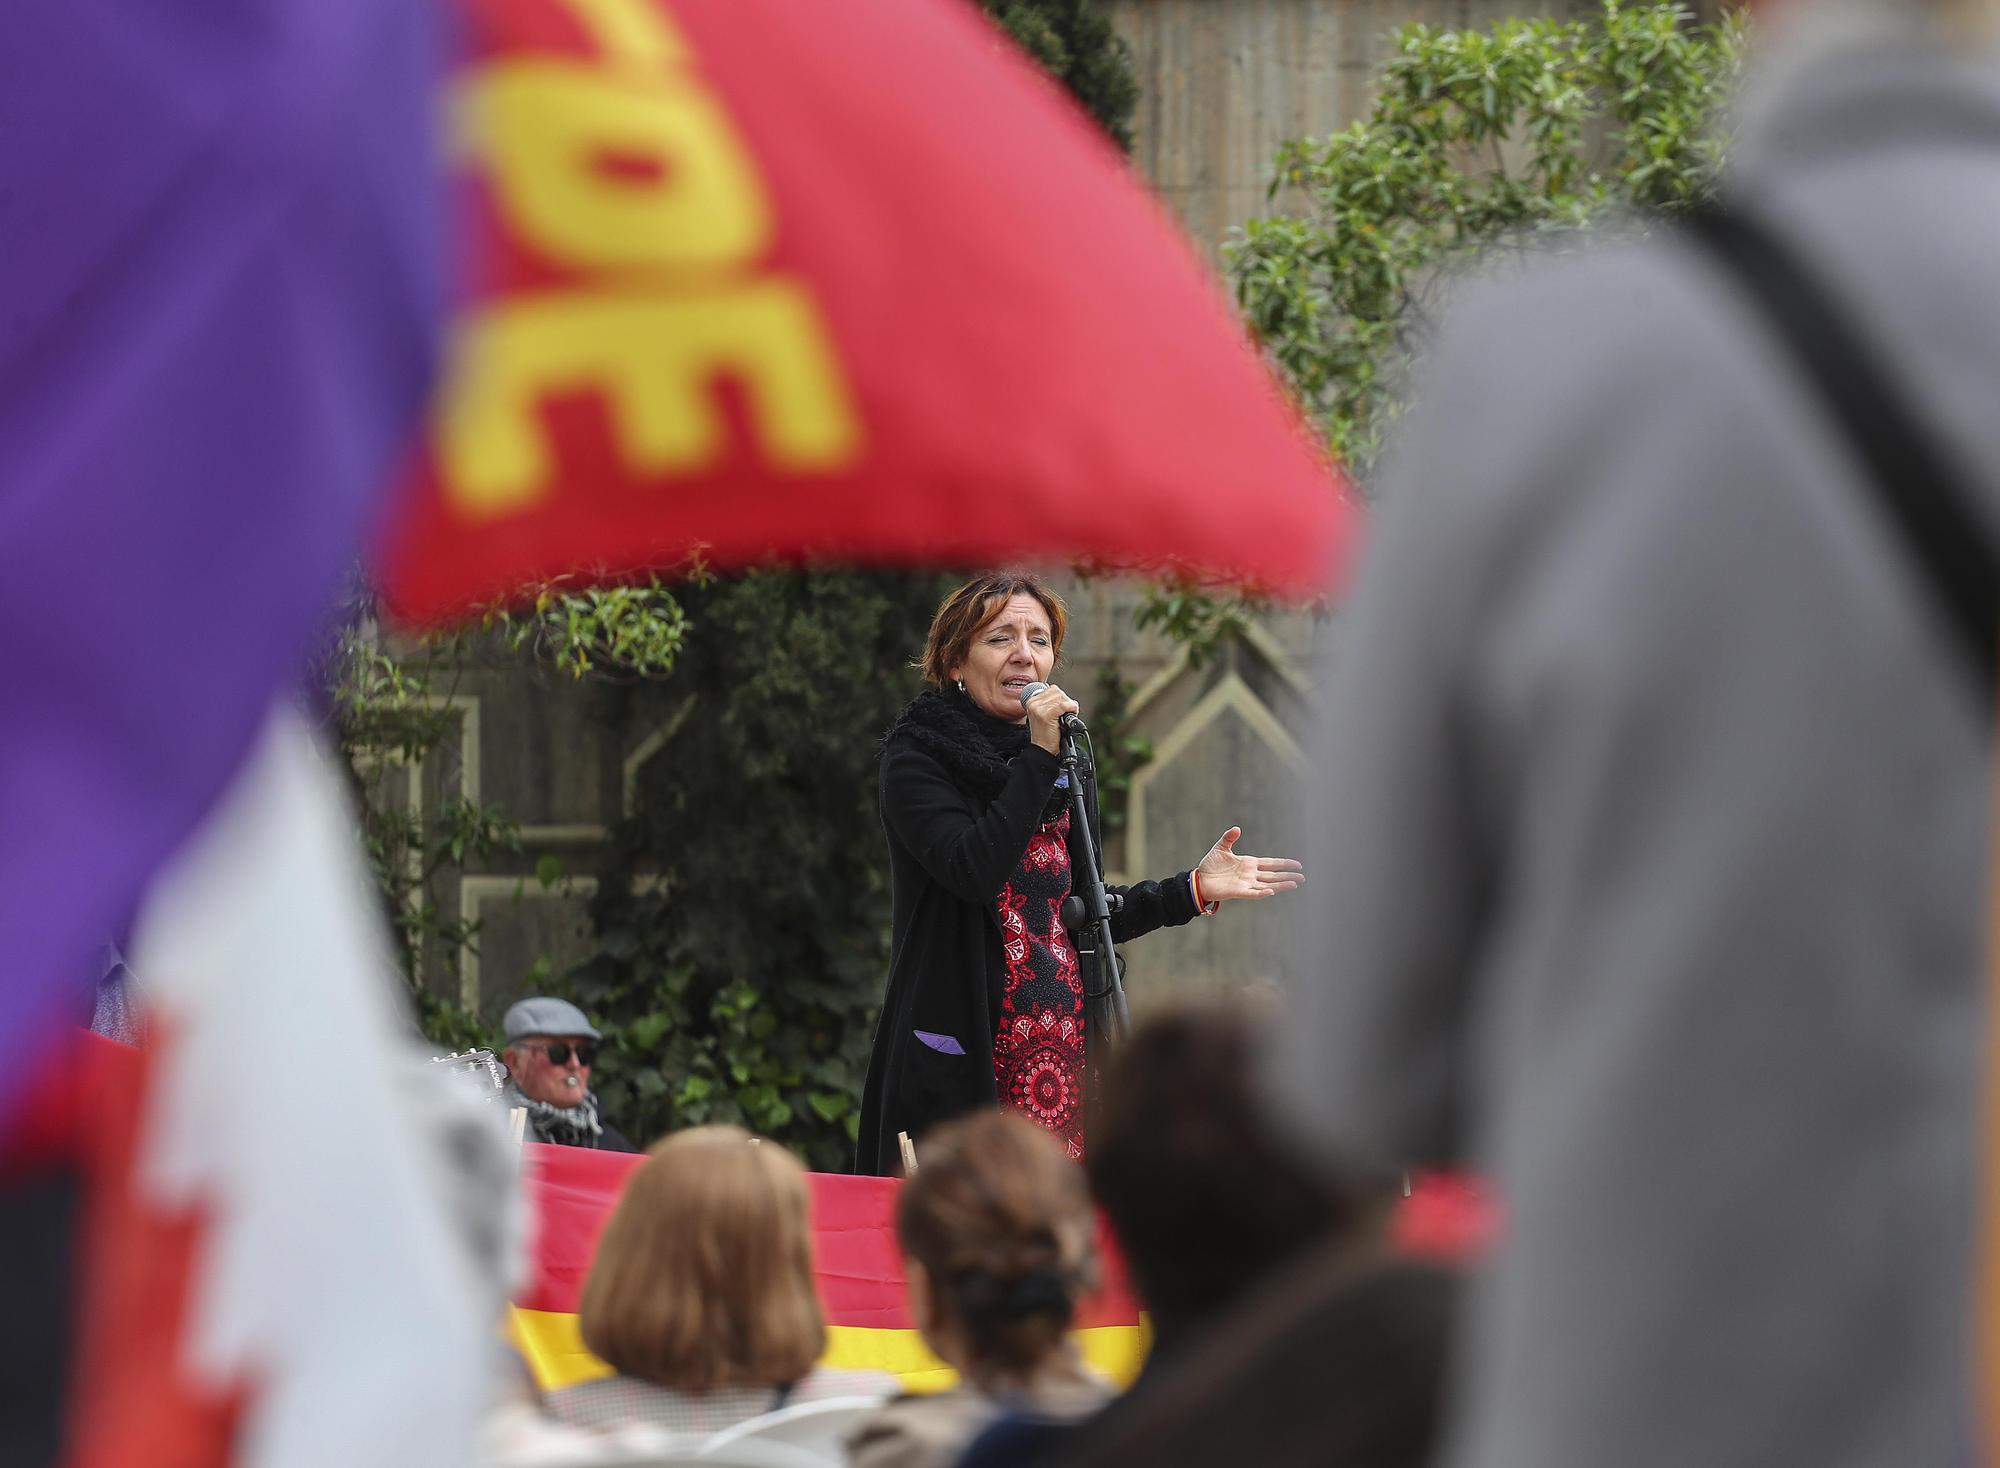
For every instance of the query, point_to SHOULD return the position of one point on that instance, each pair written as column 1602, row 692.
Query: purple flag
column 220, row 283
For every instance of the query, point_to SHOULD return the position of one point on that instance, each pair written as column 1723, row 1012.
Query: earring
column 961, row 685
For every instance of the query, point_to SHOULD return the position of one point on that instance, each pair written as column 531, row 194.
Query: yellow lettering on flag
column 655, row 358
column 626, row 170
column 552, row 134
column 634, row 33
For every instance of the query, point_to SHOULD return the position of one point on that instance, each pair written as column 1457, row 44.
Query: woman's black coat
column 950, row 853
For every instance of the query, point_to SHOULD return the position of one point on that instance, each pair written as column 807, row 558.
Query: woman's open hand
column 1225, row 876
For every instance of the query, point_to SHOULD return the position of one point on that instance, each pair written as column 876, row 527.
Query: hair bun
column 1044, row 1291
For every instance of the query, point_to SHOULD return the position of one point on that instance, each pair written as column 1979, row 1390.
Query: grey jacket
column 1655, row 823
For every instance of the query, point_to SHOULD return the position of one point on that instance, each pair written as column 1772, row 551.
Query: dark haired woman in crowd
column 985, row 996
column 997, row 1235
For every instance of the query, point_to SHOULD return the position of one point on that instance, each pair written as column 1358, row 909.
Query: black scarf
column 567, row 1126
column 976, row 749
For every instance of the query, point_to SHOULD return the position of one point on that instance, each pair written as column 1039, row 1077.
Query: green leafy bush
column 1478, row 140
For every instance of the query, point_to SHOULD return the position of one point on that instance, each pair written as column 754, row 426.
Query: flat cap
column 547, row 1017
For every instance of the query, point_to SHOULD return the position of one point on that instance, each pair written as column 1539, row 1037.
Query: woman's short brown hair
column 703, row 1277
column 1001, row 1222
column 961, row 615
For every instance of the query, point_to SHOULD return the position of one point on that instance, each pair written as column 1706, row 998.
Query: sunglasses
column 558, row 1052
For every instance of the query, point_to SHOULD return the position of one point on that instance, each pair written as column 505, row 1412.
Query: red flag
column 845, row 282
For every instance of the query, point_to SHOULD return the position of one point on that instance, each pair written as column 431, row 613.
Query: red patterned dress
column 1038, row 1059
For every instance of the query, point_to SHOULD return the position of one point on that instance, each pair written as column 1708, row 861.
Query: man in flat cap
column 550, row 1046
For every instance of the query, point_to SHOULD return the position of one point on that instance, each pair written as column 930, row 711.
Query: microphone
column 1071, row 723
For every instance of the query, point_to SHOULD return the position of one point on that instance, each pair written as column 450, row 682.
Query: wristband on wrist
column 1202, row 909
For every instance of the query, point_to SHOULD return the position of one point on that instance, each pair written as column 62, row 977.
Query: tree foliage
column 1507, row 138
column 1074, row 42
column 744, row 933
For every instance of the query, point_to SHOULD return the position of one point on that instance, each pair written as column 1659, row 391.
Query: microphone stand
column 1103, row 992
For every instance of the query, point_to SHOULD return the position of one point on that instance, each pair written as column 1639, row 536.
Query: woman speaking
column 985, row 996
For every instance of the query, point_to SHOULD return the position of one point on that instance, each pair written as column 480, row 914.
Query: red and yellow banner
column 859, row 1269
column 859, row 1272
column 849, row 282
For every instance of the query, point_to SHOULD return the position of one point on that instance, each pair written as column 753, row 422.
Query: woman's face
column 1014, row 648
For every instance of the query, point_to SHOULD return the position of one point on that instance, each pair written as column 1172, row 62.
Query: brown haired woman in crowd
column 997, row 1235
column 701, row 1293
column 985, row 996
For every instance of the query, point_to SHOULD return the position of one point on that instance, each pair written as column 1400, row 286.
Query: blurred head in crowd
column 996, row 1227
column 1206, row 1197
column 550, row 1047
column 703, row 1276
column 1337, row 1361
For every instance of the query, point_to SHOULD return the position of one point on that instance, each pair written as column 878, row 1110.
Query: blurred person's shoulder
column 1582, row 331
column 1591, row 371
